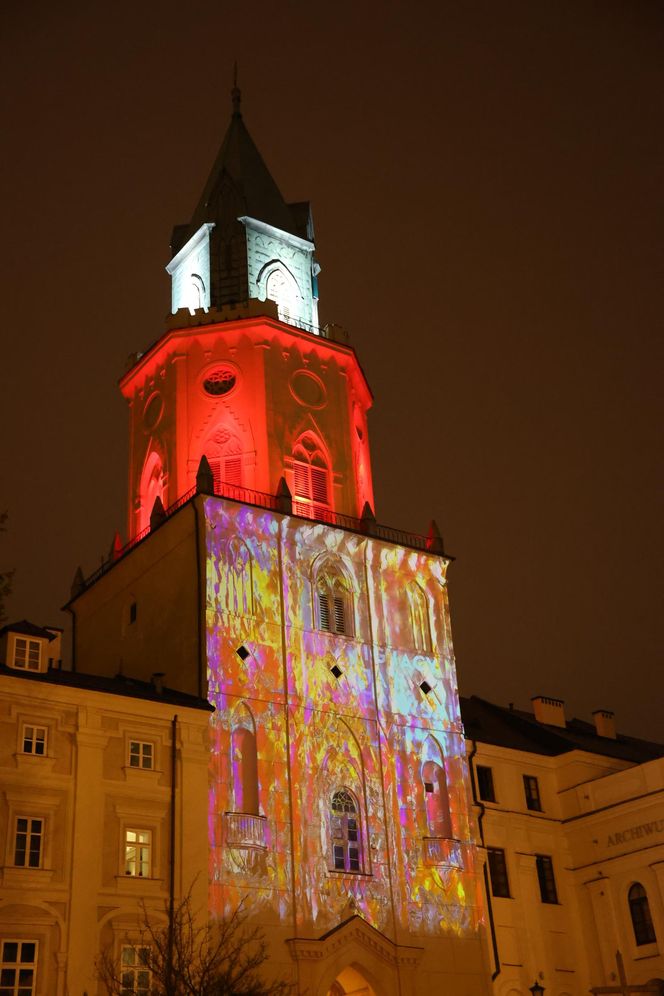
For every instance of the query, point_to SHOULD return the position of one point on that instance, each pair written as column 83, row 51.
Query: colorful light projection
column 306, row 713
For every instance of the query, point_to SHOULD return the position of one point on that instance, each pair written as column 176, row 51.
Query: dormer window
column 27, row 654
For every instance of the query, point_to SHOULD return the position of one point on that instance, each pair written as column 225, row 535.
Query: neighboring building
column 572, row 817
column 85, row 811
column 339, row 782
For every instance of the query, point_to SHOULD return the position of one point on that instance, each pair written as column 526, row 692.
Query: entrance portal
column 351, row 982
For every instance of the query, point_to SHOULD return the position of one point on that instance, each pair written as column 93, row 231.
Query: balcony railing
column 443, row 851
column 245, row 830
column 274, row 503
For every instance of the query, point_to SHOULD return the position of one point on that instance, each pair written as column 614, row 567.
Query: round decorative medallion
column 219, row 381
column 153, row 411
column 308, row 389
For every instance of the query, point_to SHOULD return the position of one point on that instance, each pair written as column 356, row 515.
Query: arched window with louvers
column 333, row 597
column 312, row 491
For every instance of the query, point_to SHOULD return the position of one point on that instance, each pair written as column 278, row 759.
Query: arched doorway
column 351, row 982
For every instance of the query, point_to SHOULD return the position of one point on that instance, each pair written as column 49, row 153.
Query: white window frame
column 19, row 965
column 129, row 970
column 134, row 862
column 30, row 832
column 34, row 739
column 28, row 646
column 141, row 755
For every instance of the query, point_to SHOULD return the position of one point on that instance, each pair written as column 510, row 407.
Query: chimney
column 549, row 711
column 605, row 723
column 158, row 682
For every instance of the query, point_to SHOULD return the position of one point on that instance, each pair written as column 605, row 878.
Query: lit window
column 531, row 788
column 34, row 740
column 28, row 842
column 138, row 848
column 27, row 654
column 485, row 784
column 639, row 909
column 333, row 603
column 311, row 479
column 141, row 754
column 18, row 969
column 498, row 871
column 136, row 977
column 345, row 832
column 546, row 878
column 418, row 606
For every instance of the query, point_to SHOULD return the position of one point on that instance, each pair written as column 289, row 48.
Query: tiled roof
column 519, row 730
column 26, row 628
column 118, row 685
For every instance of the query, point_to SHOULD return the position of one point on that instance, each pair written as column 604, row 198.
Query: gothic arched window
column 282, row 288
column 418, row 610
column 151, row 488
column 437, row 801
column 311, row 479
column 244, row 759
column 334, row 600
column 345, row 826
column 639, row 909
column 223, row 450
column 239, row 578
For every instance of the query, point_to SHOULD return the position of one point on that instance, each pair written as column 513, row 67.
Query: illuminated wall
column 281, row 267
column 374, row 712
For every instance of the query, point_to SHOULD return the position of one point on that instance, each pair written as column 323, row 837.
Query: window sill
column 646, row 951
column 139, row 883
column 26, row 878
column 349, row 874
column 34, row 762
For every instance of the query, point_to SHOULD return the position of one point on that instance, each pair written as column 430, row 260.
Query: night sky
column 487, row 188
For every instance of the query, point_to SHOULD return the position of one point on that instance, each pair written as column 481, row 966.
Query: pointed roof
column 240, row 173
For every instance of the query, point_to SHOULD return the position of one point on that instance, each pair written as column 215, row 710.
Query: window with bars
column 531, row 789
column 18, row 968
column 28, row 842
column 34, row 740
column 546, row 878
column 345, row 824
column 27, row 654
column 334, row 604
column 485, row 784
column 639, row 910
column 498, row 872
column 135, row 977
column 138, row 853
column 141, row 754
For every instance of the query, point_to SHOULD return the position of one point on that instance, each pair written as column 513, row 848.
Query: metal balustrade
column 245, row 830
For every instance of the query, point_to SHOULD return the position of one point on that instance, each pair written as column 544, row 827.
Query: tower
column 256, row 574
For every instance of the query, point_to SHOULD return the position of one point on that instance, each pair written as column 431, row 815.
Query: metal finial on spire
column 236, row 94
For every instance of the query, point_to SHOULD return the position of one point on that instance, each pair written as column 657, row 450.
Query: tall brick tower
column 256, row 574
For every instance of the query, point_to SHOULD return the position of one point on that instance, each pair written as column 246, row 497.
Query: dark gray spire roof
column 240, row 184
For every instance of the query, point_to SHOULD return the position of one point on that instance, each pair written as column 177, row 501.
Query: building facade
column 86, row 811
column 257, row 576
column 572, row 818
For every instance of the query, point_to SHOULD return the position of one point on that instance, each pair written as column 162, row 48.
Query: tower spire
column 236, row 94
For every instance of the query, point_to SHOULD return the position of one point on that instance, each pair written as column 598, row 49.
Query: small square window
column 242, row 652
column 531, row 788
column 428, row 787
column 425, row 686
column 34, row 740
column 27, row 654
column 485, row 784
column 336, row 671
column 141, row 754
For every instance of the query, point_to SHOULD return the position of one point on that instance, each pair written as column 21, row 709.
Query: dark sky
column 487, row 185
